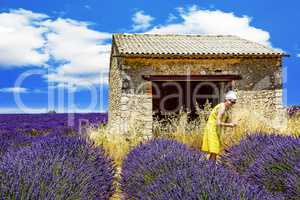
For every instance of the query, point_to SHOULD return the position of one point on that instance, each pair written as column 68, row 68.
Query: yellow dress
column 212, row 133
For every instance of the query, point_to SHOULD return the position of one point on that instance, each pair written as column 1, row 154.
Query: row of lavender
column 18, row 129
column 58, row 167
column 260, row 167
column 43, row 157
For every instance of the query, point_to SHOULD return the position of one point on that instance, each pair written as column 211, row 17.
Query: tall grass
column 249, row 119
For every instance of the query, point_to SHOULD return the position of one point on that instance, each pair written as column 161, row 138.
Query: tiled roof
column 189, row 45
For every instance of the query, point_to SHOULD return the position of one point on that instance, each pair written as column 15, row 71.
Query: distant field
column 49, row 123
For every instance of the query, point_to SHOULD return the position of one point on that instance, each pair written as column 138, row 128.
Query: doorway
column 171, row 97
column 174, row 93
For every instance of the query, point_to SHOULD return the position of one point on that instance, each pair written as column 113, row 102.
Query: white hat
column 231, row 95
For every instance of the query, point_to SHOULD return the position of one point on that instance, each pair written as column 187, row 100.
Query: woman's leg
column 213, row 156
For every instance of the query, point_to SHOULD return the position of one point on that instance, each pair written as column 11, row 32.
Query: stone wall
column 257, row 74
column 136, row 114
column 269, row 100
column 258, row 98
column 115, row 93
column 261, row 81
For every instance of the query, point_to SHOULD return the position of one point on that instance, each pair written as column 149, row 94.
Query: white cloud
column 199, row 21
column 298, row 55
column 141, row 21
column 21, row 90
column 14, row 110
column 80, row 53
column 71, row 80
column 14, row 90
column 22, row 39
column 84, row 52
column 38, row 91
column 87, row 6
column 171, row 17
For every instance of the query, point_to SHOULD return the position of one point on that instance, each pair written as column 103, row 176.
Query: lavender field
column 48, row 156
column 49, row 123
column 18, row 129
column 43, row 156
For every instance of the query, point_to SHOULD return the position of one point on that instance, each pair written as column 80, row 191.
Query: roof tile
column 189, row 45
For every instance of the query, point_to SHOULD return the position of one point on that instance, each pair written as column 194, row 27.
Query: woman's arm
column 219, row 117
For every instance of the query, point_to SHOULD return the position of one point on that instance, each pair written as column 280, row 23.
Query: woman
column 218, row 119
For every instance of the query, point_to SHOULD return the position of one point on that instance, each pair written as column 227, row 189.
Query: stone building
column 153, row 75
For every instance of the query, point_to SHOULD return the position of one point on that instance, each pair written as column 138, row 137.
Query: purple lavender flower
column 43, row 124
column 292, row 183
column 293, row 110
column 274, row 170
column 204, row 181
column 148, row 161
column 242, row 155
column 17, row 130
column 12, row 140
column 57, row 168
column 165, row 169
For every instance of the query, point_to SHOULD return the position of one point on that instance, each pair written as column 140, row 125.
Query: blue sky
column 55, row 54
